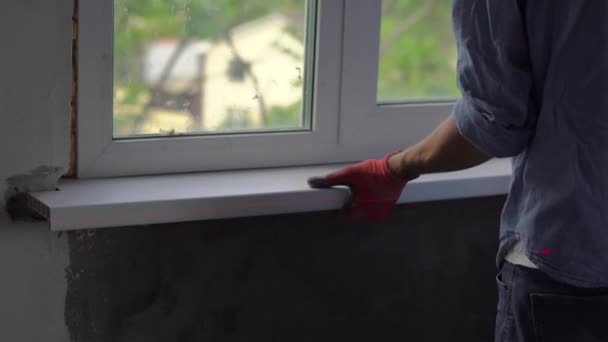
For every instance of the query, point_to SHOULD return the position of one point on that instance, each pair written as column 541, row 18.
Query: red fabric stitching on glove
column 375, row 189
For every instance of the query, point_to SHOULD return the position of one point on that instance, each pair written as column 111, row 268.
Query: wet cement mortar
column 425, row 275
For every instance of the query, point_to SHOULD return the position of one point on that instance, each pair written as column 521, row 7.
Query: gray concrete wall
column 427, row 274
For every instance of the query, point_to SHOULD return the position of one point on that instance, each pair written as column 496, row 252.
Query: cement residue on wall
column 43, row 178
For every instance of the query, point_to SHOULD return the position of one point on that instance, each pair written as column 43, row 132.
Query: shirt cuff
column 483, row 131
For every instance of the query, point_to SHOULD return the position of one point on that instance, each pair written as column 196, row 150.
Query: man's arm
column 496, row 113
column 495, row 117
column 444, row 150
column 376, row 184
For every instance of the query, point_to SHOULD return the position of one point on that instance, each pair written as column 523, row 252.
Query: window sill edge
column 146, row 200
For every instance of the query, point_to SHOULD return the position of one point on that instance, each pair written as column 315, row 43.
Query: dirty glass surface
column 211, row 66
column 417, row 52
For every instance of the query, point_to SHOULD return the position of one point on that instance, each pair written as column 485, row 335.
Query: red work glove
column 375, row 189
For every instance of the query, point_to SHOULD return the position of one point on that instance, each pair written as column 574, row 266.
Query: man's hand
column 375, row 189
column 377, row 184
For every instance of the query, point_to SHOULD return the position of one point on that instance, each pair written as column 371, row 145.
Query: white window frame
column 394, row 123
column 348, row 124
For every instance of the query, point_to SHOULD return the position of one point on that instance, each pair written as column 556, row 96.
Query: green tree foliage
column 417, row 54
column 137, row 22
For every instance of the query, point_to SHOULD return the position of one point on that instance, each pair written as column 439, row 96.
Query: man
column 534, row 80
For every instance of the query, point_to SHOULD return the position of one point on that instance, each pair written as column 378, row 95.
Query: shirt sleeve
column 495, row 113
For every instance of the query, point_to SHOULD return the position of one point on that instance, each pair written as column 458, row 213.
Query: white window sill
column 113, row 202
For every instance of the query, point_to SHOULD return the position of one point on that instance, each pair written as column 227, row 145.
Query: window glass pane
column 211, row 66
column 417, row 51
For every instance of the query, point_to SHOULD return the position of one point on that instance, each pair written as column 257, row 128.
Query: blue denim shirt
column 534, row 78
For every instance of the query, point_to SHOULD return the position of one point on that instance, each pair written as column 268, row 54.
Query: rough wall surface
column 427, row 275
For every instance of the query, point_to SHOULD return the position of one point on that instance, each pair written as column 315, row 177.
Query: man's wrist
column 404, row 165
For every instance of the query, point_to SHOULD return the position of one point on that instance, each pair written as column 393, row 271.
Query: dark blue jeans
column 535, row 308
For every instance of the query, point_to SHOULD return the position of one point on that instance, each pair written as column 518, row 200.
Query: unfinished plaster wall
column 426, row 275
column 34, row 122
